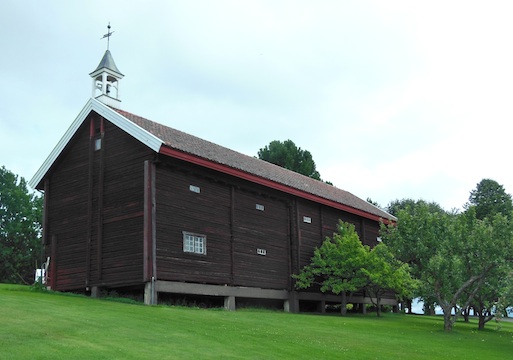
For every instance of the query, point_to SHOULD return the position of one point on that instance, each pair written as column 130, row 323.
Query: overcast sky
column 394, row 99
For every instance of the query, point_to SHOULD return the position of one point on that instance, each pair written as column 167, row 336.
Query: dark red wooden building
column 130, row 203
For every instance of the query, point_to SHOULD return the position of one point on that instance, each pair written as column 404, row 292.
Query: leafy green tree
column 337, row 265
column 20, row 229
column 490, row 198
column 343, row 265
column 287, row 155
column 395, row 206
column 453, row 254
column 486, row 300
column 385, row 273
column 504, row 305
column 497, row 230
column 415, row 247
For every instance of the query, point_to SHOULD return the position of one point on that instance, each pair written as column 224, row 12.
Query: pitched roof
column 172, row 142
column 188, row 144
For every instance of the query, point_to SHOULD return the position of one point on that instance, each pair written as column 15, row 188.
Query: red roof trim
column 265, row 182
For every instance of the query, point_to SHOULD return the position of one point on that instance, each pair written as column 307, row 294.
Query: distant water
column 417, row 307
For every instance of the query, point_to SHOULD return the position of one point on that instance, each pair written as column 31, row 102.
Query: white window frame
column 97, row 144
column 194, row 243
column 262, row 252
column 195, row 189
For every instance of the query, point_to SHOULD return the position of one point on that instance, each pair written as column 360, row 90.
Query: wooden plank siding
column 95, row 209
column 67, row 215
column 226, row 211
column 266, row 229
column 123, row 209
column 323, row 223
column 311, row 234
column 179, row 209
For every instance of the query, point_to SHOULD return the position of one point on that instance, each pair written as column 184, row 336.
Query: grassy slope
column 53, row 326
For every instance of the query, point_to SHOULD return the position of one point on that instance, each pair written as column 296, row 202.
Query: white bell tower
column 106, row 78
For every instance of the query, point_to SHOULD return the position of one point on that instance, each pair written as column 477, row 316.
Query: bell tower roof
column 107, row 63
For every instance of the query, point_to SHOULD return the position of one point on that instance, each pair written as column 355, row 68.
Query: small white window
column 260, row 207
column 262, row 252
column 195, row 189
column 194, row 243
column 97, row 144
column 378, row 239
column 307, row 219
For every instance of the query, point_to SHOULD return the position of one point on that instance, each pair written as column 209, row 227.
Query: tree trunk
column 343, row 304
column 466, row 313
column 484, row 317
column 448, row 321
column 378, row 306
column 429, row 308
column 481, row 323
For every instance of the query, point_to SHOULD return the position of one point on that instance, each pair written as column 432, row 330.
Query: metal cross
column 108, row 35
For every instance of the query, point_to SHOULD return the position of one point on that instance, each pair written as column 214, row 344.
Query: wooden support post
column 292, row 303
column 322, row 306
column 229, row 303
column 150, row 293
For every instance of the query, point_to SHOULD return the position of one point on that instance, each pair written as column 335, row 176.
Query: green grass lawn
column 37, row 325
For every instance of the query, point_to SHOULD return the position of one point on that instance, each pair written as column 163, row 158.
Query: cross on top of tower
column 108, row 35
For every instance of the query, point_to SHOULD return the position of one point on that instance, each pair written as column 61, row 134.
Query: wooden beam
column 53, row 263
column 149, row 233
column 46, row 200
column 232, row 232
column 90, row 183
column 298, row 232
column 99, row 248
column 219, row 290
column 362, row 231
column 310, row 296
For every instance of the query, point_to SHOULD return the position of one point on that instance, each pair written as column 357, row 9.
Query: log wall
column 256, row 237
column 95, row 209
